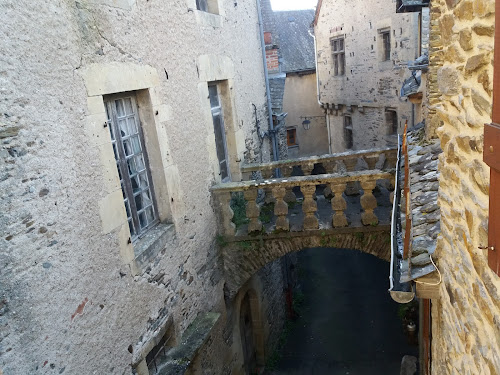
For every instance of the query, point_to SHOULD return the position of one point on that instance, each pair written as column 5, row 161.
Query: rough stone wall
column 300, row 102
column 68, row 300
column 269, row 315
column 368, row 81
column 370, row 129
column 466, row 318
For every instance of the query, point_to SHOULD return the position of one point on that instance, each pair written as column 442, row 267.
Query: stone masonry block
column 112, row 211
column 448, row 80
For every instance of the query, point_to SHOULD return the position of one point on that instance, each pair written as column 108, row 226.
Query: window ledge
column 148, row 247
column 181, row 356
column 208, row 19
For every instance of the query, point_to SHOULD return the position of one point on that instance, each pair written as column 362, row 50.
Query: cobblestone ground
column 348, row 323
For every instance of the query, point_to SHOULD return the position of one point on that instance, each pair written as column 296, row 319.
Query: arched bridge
column 340, row 200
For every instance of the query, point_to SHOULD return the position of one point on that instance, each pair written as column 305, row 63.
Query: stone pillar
column 228, row 227
column 252, row 211
column 309, row 207
column 281, row 209
column 338, row 205
column 368, row 203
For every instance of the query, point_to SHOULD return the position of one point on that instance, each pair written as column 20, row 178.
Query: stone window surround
column 112, row 78
column 381, row 48
column 166, row 327
column 220, row 69
column 213, row 18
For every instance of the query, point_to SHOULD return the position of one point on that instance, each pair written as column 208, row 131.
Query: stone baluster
column 281, row 209
column 252, row 211
column 307, row 169
column 228, row 227
column 309, row 207
column 339, row 205
column 350, row 163
column 372, row 161
column 287, row 171
column 330, row 166
column 246, row 176
column 290, row 195
column 368, row 203
column 267, row 173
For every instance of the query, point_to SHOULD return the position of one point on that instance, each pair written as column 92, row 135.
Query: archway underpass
column 346, row 321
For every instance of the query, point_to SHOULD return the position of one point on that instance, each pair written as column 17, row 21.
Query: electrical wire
column 439, row 273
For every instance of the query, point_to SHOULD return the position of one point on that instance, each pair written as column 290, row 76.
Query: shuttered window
column 492, row 158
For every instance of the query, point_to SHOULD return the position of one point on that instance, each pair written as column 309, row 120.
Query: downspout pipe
column 318, row 93
column 272, row 132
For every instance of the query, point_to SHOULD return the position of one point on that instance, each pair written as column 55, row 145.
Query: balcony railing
column 351, row 161
column 304, row 203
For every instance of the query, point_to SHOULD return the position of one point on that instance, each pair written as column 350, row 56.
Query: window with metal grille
column 291, row 137
column 132, row 163
column 386, row 45
column 348, row 140
column 220, row 131
column 338, row 54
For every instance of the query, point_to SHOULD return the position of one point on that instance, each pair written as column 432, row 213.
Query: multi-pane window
column 386, row 45
column 338, row 54
column 348, row 141
column 291, row 137
column 132, row 163
column 220, row 132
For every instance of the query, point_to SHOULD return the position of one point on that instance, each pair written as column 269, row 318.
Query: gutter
column 400, row 292
column 272, row 131
column 318, row 94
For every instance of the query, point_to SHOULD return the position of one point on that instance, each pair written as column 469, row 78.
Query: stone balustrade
column 304, row 203
column 377, row 159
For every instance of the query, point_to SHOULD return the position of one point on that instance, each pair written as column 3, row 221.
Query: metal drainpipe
column 274, row 142
column 322, row 105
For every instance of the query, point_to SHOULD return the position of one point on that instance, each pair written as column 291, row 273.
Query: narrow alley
column 348, row 323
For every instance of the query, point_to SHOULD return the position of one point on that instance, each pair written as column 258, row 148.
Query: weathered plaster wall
column 466, row 318
column 300, row 101
column 369, row 81
column 68, row 299
column 266, row 289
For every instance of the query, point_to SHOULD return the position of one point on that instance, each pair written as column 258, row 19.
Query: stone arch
column 242, row 259
column 248, row 294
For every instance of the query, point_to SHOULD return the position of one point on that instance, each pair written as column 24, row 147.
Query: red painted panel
column 494, row 222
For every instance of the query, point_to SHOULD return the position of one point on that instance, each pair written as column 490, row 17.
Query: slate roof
column 296, row 46
column 277, row 88
column 424, row 174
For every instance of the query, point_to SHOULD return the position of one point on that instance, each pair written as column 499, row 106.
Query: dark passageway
column 348, row 323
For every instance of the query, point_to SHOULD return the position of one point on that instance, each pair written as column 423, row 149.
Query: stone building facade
column 362, row 49
column 465, row 318
column 109, row 145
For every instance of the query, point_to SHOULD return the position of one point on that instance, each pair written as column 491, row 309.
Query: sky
column 293, row 4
